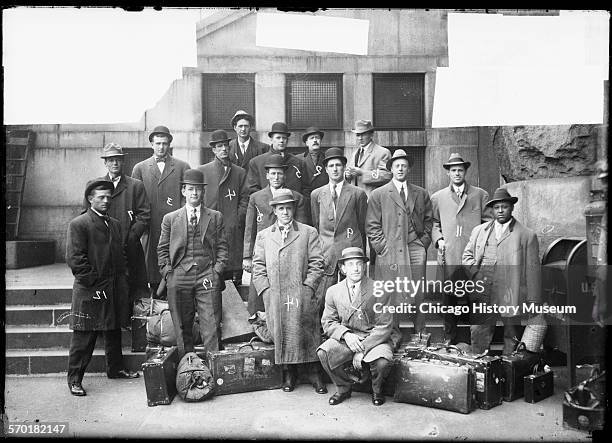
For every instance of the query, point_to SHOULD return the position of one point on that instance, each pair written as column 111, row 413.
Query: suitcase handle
column 250, row 343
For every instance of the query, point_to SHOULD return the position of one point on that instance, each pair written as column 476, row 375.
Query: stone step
column 44, row 337
column 38, row 296
column 54, row 360
column 41, row 315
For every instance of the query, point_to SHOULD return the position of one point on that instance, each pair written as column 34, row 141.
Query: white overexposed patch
column 312, row 33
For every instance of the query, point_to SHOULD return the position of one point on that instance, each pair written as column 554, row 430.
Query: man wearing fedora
column 226, row 192
column 457, row 209
column 287, row 267
column 294, row 175
column 398, row 224
column 260, row 215
column 131, row 207
column 244, row 148
column 338, row 213
column 503, row 255
column 315, row 174
column 192, row 254
column 100, row 302
column 367, row 169
column 358, row 330
column 161, row 175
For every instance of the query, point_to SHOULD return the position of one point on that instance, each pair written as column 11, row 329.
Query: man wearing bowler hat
column 294, row 175
column 226, row 192
column 358, row 330
column 161, row 175
column 503, row 255
column 260, row 215
column 398, row 224
column 367, row 169
column 244, row 148
column 192, row 254
column 100, row 302
column 457, row 209
column 131, row 207
column 338, row 213
column 314, row 160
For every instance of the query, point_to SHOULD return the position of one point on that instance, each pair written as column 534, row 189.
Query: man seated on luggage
column 192, row 253
column 359, row 329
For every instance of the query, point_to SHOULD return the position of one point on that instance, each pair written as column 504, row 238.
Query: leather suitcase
column 244, row 367
column 416, row 343
column 515, row 367
column 436, row 384
column 139, row 333
column 584, row 405
column 159, row 373
column 538, row 386
column 488, row 372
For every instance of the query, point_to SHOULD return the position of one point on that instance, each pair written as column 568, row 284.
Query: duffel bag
column 147, row 306
column 194, row 381
column 160, row 329
column 533, row 335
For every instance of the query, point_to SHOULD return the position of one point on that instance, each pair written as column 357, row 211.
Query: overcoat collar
column 98, row 222
column 397, row 199
column 221, row 171
column 292, row 236
column 121, row 186
column 364, row 297
column 464, row 197
column 168, row 168
column 505, row 234
column 367, row 151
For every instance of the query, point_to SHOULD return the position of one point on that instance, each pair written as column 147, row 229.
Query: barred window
column 314, row 100
column 399, row 101
column 223, row 95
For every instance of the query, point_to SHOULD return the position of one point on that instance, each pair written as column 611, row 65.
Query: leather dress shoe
column 318, row 384
column 289, row 381
column 124, row 373
column 338, row 398
column 77, row 389
column 378, row 399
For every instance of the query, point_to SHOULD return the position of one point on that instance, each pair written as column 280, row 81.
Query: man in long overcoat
column 398, row 224
column 457, row 209
column 294, row 175
column 287, row 267
column 359, row 329
column 131, row 207
column 503, row 255
column 260, row 215
column 315, row 175
column 244, row 148
column 226, row 192
column 338, row 213
column 100, row 302
column 161, row 174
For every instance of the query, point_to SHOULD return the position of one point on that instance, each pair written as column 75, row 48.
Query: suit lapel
column 395, row 196
column 121, row 186
column 366, row 153
column 168, row 169
column 292, row 236
column 276, row 235
column 99, row 223
column 507, row 232
column 343, row 200
column 328, row 203
column 204, row 221
column 154, row 169
column 222, row 172
column 363, row 297
column 410, row 198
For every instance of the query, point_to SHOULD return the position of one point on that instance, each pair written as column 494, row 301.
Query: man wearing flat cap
column 358, row 330
column 457, row 209
column 100, row 301
column 287, row 267
column 398, row 224
column 192, row 254
column 504, row 256
column 226, row 192
column 294, row 175
column 131, row 207
column 161, row 174
column 244, row 148
column 338, row 213
column 260, row 215
column 367, row 169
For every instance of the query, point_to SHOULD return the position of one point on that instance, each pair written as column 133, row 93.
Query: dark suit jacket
column 95, row 254
column 294, row 174
column 254, row 149
column 316, row 175
column 164, row 193
column 226, row 192
column 260, row 215
column 173, row 240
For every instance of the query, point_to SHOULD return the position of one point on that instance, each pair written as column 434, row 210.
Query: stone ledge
column 29, row 253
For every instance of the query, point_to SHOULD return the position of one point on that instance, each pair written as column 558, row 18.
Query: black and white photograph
column 269, row 223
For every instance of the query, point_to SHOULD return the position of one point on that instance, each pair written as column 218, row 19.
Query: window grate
column 399, row 101
column 314, row 100
column 223, row 95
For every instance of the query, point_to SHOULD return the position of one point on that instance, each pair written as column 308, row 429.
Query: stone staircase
column 38, row 338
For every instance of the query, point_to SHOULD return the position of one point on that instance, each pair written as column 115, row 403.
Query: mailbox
column 565, row 282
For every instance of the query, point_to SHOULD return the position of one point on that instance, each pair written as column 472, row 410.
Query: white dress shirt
column 501, row 228
column 190, row 210
column 399, row 185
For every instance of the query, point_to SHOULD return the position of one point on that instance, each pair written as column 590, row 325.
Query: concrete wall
column 181, row 106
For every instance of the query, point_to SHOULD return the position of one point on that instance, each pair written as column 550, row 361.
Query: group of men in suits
column 199, row 227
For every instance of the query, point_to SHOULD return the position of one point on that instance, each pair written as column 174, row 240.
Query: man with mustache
column 315, row 175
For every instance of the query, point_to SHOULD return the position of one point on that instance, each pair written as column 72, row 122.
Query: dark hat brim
column 308, row 134
column 448, row 165
column 153, row 134
column 359, row 256
column 512, row 200
column 270, row 166
column 278, row 132
column 407, row 157
column 354, row 131
column 280, row 202
column 214, row 142
column 106, row 184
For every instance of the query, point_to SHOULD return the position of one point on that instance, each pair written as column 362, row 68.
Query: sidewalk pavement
column 118, row 408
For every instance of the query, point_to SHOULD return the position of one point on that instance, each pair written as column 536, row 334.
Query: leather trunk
column 538, row 386
column 488, row 372
column 515, row 367
column 159, row 373
column 244, row 367
column 436, row 384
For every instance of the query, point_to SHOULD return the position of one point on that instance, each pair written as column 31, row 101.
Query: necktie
column 458, row 192
column 106, row 220
column 242, row 148
column 284, row 230
column 358, row 156
column 352, row 293
column 334, row 196
column 403, row 194
column 194, row 218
